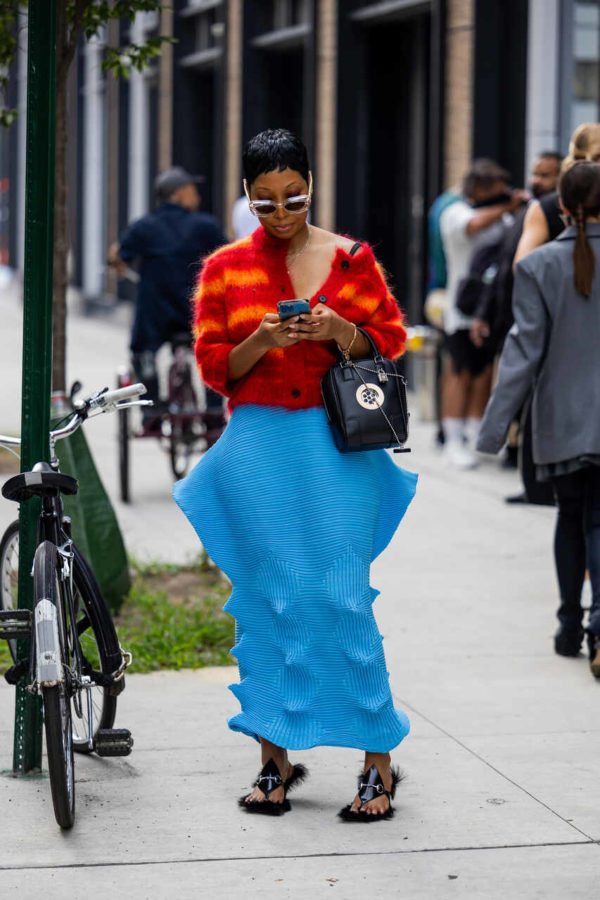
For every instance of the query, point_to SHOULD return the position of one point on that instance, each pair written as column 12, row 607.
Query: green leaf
column 84, row 18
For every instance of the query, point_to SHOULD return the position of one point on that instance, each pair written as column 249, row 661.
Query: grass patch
column 5, row 657
column 172, row 618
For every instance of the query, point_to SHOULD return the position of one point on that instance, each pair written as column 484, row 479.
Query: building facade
column 392, row 97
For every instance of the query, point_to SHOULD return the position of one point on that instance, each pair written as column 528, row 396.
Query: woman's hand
column 323, row 325
column 273, row 333
column 480, row 331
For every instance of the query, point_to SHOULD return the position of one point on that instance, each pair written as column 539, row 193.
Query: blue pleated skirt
column 296, row 525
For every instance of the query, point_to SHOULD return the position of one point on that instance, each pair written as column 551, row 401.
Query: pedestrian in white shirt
column 243, row 222
column 477, row 220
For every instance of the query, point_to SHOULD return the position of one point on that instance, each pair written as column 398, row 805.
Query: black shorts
column 465, row 355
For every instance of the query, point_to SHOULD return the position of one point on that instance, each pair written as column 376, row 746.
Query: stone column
column 458, row 139
column 21, row 129
column 138, row 200
column 326, row 113
column 112, row 159
column 93, row 250
column 232, row 143
column 165, row 92
column 543, row 71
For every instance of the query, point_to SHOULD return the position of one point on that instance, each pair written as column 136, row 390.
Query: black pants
column 536, row 491
column 577, row 544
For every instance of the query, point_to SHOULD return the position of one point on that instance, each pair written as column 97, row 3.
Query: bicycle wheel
column 56, row 700
column 101, row 650
column 123, row 437
column 9, row 575
column 97, row 635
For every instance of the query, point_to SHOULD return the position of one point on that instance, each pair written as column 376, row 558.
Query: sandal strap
column 269, row 778
column 370, row 786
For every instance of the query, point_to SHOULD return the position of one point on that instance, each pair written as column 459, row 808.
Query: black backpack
column 482, row 273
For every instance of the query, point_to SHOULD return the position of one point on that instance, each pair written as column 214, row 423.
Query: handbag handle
column 377, row 357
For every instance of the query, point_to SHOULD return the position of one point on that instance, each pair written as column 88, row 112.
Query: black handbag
column 365, row 402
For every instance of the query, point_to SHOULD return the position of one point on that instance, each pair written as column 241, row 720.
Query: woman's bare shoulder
column 334, row 240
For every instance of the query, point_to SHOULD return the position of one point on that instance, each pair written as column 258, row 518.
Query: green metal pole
column 37, row 330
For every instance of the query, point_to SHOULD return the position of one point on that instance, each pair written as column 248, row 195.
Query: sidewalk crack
column 407, row 705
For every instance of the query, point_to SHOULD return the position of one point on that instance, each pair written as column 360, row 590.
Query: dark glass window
column 287, row 13
column 585, row 86
column 205, row 35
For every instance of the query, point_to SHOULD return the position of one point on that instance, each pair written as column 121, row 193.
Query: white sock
column 454, row 430
column 472, row 427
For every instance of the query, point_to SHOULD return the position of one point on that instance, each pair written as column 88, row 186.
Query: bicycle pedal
column 113, row 742
column 15, row 623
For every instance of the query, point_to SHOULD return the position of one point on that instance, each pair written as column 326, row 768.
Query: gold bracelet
column 346, row 351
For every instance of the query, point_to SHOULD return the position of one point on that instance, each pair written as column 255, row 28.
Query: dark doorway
column 279, row 68
column 384, row 146
column 283, row 77
column 395, row 188
column 499, row 112
column 203, row 87
column 196, row 131
column 275, row 90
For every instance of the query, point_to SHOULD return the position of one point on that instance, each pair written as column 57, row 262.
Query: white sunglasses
column 298, row 204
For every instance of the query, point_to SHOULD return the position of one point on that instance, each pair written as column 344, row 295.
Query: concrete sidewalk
column 500, row 798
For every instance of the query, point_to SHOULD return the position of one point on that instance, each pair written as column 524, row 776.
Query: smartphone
column 287, row 309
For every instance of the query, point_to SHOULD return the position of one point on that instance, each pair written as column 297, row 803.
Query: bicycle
column 179, row 424
column 76, row 663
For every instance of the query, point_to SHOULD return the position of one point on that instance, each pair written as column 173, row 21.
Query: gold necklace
column 299, row 252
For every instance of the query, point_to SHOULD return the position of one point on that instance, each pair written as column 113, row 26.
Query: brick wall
column 460, row 29
column 233, row 111
column 326, row 112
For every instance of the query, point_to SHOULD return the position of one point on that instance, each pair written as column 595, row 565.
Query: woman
column 553, row 348
column 543, row 220
column 294, row 523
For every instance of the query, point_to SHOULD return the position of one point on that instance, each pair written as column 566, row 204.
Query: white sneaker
column 459, row 455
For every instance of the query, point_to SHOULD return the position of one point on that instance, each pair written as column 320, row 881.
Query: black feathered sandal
column 269, row 780
column 370, row 786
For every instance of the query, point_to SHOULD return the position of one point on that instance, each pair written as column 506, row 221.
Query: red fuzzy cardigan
column 243, row 281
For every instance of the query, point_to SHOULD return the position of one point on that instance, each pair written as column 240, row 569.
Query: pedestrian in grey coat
column 554, row 349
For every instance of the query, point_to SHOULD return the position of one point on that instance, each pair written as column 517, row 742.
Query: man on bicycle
column 169, row 244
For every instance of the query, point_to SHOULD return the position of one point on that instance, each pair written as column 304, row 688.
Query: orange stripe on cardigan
column 207, row 326
column 245, row 277
column 210, row 286
column 367, row 302
column 253, row 312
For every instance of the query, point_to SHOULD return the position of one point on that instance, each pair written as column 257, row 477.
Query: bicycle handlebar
column 105, row 401
column 110, row 398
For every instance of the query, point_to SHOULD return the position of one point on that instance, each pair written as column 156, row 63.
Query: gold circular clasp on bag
column 370, row 396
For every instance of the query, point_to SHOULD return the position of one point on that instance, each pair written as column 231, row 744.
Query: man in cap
column 169, row 244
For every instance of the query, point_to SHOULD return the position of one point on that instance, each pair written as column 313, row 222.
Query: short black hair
column 275, row 148
column 551, row 154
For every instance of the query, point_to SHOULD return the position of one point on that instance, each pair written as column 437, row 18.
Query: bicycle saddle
column 37, row 484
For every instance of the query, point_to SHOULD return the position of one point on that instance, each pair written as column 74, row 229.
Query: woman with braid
column 553, row 349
